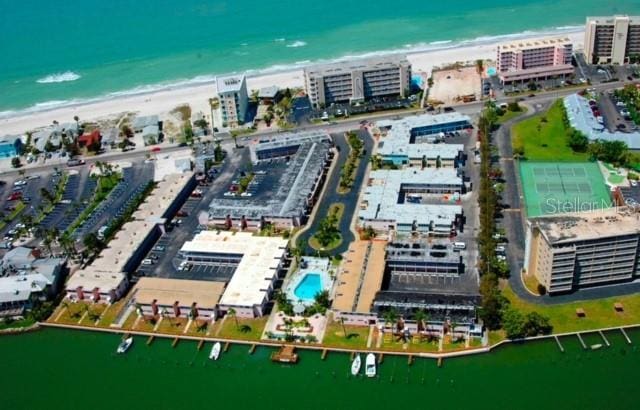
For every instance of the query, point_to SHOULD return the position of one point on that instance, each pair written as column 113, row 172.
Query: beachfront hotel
column 257, row 262
column 402, row 202
column 533, row 59
column 612, row 39
column 410, row 140
column 570, row 251
column 358, row 80
column 234, row 99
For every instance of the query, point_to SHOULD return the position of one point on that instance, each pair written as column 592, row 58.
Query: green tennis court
column 559, row 187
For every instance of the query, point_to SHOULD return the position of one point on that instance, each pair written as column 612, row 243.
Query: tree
column 479, row 66
column 15, row 162
column 127, row 132
column 201, row 123
column 322, row 299
column 390, row 317
column 514, row 106
column 578, row 141
column 218, row 154
column 536, row 324
column 47, row 195
column 77, row 120
column 92, row 243
column 421, row 318
column 513, row 323
column 232, row 312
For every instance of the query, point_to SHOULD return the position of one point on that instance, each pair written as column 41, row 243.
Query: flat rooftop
column 360, row 277
column 528, row 44
column 261, row 257
column 576, row 226
column 168, row 291
column 231, row 83
column 363, row 64
column 288, row 140
column 283, row 189
column 381, row 197
column 560, row 187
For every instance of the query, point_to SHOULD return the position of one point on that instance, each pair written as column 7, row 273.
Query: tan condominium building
column 612, row 39
column 531, row 59
column 569, row 251
column 358, row 80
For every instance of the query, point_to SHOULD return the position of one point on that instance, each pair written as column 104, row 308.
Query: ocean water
column 54, row 53
column 68, row 369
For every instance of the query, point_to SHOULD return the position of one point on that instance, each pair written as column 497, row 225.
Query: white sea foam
column 59, row 77
column 280, row 40
column 296, row 44
column 278, row 68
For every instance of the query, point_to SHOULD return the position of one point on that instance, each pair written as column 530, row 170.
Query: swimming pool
column 491, row 71
column 308, row 287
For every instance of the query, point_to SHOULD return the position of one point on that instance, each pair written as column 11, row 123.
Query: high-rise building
column 569, row 251
column 530, row 59
column 357, row 80
column 612, row 40
column 234, row 100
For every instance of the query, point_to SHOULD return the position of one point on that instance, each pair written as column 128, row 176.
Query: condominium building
column 531, row 59
column 357, row 80
column 569, row 251
column 612, row 39
column 234, row 100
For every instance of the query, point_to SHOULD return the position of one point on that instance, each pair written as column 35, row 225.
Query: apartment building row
column 358, row 80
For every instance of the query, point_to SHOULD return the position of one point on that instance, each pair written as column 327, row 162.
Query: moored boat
column 370, row 365
column 596, row 346
column 125, row 345
column 355, row 365
column 215, row 351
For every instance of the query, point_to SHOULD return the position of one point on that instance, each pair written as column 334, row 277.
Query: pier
column 150, row 340
column 606, row 342
column 226, row 347
column 410, row 360
column 286, row 354
column 625, row 335
column 559, row 344
column 200, row 344
column 252, row 348
column 175, row 342
column 584, row 345
column 324, row 354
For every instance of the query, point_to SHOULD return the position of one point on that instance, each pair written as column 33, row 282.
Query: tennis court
column 552, row 188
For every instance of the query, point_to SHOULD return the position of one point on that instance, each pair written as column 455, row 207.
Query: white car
column 147, row 261
column 20, row 182
column 634, row 183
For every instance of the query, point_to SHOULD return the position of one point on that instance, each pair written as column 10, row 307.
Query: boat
column 125, row 345
column 370, row 365
column 215, row 351
column 596, row 346
column 355, row 365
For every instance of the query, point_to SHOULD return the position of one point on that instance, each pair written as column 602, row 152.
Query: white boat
column 355, row 365
column 596, row 346
column 215, row 351
column 370, row 365
column 125, row 345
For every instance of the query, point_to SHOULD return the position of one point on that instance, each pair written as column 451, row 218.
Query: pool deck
column 317, row 266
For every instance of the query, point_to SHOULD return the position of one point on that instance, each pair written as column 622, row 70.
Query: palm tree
column 421, row 317
column 68, row 244
column 232, row 312
column 214, row 103
column 77, row 120
column 390, row 317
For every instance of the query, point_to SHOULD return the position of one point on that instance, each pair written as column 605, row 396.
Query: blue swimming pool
column 308, row 287
column 491, row 71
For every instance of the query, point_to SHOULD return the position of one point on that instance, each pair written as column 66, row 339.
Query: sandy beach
column 198, row 96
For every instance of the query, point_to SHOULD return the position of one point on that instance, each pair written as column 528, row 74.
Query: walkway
column 331, row 196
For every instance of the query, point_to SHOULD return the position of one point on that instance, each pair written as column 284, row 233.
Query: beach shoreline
column 196, row 92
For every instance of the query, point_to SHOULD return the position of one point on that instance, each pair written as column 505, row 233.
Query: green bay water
column 55, row 53
column 68, row 369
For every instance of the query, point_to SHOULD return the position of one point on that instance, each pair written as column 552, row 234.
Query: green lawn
column 509, row 115
column 253, row 332
column 356, row 337
column 599, row 313
column 544, row 137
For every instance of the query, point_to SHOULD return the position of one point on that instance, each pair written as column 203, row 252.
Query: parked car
column 20, row 182
column 182, row 213
column 14, row 196
column 159, row 248
column 147, row 262
column 75, row 162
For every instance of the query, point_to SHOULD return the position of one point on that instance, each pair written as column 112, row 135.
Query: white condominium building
column 524, row 60
column 234, row 100
column 357, row 80
column 611, row 40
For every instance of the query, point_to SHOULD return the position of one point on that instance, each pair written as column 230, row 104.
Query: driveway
column 331, row 195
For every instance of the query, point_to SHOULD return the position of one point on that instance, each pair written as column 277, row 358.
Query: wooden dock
column 606, row 342
column 559, row 344
column 226, row 347
column 380, row 358
column 200, row 344
column 410, row 360
column 324, row 354
column 625, row 335
column 440, row 361
column 150, row 340
column 175, row 342
column 252, row 349
column 286, row 354
column 584, row 345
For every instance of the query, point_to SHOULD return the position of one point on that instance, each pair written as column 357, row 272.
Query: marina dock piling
column 559, row 344
column 606, row 342
column 410, row 360
column 584, row 345
column 252, row 348
column 625, row 335
column 324, row 354
column 150, row 340
column 226, row 347
column 380, row 358
column 175, row 342
column 200, row 344
column 440, row 361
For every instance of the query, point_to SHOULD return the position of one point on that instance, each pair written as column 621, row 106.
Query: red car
column 15, row 196
column 181, row 213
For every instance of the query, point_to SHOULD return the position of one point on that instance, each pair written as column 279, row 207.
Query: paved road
column 330, row 196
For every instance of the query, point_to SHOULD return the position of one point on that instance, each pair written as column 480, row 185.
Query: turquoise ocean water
column 55, row 53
